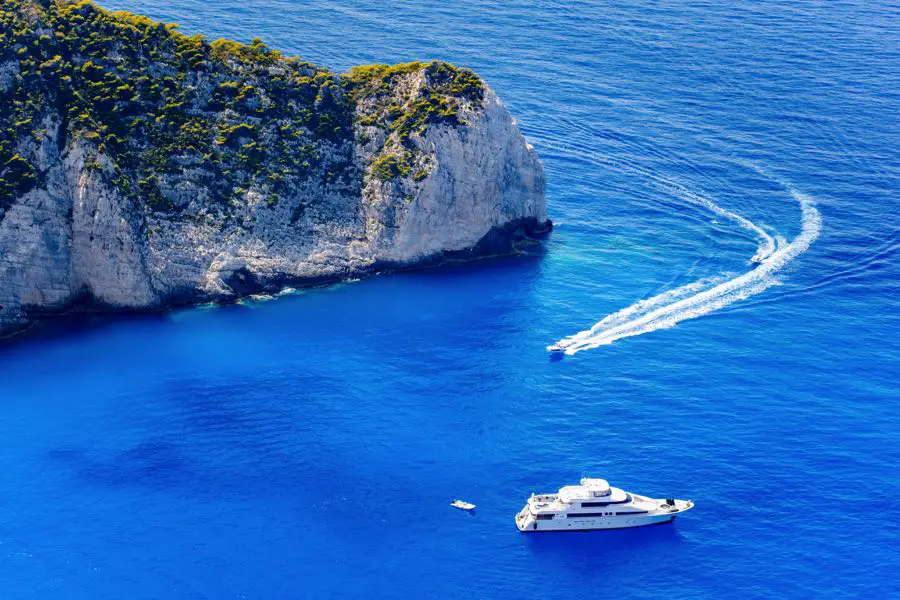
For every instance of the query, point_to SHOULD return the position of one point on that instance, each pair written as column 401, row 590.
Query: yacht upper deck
column 590, row 492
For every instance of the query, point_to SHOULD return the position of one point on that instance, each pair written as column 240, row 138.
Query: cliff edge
column 140, row 167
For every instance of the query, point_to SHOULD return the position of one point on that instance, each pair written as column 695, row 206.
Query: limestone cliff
column 140, row 167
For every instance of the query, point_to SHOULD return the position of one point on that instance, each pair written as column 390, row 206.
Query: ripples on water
column 309, row 445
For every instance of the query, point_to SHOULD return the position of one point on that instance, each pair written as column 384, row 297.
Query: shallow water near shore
column 310, row 445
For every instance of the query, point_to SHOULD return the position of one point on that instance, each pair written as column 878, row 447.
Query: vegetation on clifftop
column 160, row 104
column 436, row 95
column 442, row 88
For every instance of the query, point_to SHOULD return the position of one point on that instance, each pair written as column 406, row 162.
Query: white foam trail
column 642, row 307
column 698, row 299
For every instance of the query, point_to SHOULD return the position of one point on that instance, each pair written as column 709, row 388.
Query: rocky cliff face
column 140, row 167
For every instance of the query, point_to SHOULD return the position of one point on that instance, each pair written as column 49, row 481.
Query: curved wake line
column 704, row 296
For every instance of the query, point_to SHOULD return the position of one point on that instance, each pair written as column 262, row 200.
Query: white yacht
column 595, row 505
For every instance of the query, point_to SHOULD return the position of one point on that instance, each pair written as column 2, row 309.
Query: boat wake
column 707, row 295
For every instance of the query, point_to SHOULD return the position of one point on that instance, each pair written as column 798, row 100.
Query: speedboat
column 462, row 505
column 557, row 348
column 594, row 505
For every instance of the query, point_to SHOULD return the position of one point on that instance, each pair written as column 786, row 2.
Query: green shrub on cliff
column 389, row 166
column 17, row 175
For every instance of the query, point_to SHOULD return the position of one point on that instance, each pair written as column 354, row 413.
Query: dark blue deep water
column 309, row 446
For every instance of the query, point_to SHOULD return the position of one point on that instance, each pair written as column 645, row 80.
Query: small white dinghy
column 462, row 505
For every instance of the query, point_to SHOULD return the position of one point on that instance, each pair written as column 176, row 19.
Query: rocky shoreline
column 516, row 239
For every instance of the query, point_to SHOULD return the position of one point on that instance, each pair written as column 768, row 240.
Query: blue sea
column 309, row 446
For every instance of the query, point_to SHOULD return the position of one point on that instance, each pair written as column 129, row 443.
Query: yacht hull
column 593, row 524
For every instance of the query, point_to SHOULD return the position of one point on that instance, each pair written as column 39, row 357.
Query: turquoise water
column 309, row 446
